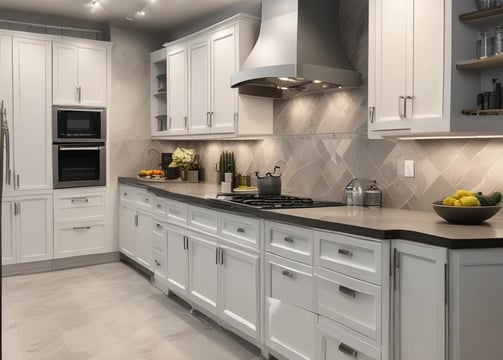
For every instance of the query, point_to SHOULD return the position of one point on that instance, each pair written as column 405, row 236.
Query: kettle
column 270, row 184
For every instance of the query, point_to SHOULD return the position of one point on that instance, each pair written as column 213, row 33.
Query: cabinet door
column 144, row 240
column 199, row 86
column 203, row 272
column 8, row 234
column 177, row 90
column 388, row 36
column 239, row 290
column 223, row 66
column 92, row 75
column 127, row 231
column 177, row 262
column 34, row 228
column 65, row 74
column 79, row 238
column 6, row 97
column 32, row 109
column 419, row 302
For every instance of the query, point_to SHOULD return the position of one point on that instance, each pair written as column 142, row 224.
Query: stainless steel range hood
column 298, row 50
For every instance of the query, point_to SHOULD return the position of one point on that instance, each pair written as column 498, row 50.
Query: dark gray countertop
column 420, row 226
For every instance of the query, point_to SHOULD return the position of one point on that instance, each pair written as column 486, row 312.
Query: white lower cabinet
column 177, row 267
column 419, row 301
column 27, row 229
column 73, row 239
column 159, row 249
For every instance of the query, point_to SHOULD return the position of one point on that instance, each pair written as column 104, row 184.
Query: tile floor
column 105, row 312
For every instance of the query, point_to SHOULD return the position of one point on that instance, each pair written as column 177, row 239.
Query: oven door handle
column 94, row 148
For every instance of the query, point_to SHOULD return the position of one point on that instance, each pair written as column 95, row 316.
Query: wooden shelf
column 485, row 63
column 481, row 15
column 477, row 112
column 160, row 93
column 158, row 116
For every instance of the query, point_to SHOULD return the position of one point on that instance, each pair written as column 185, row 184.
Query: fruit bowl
column 465, row 215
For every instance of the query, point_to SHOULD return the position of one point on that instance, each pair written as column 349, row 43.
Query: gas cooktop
column 275, row 201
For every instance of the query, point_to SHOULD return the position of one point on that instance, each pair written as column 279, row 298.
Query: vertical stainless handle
column 184, row 243
column 16, row 208
column 185, row 121
column 348, row 350
column 371, row 114
column 169, row 123
column 396, row 265
column 5, row 127
column 79, row 91
column 17, row 181
column 208, row 120
column 136, row 220
column 446, row 284
column 212, row 118
column 221, row 256
column 216, row 256
column 401, row 114
column 411, row 98
column 187, row 242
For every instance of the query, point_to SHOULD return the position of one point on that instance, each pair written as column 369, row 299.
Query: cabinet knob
column 288, row 239
column 287, row 273
column 240, row 230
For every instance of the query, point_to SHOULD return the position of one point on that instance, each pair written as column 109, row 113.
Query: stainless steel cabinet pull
column 79, row 90
column 170, row 121
column 395, row 265
column 401, row 114
column 184, row 248
column 411, row 98
column 159, row 226
column 240, row 230
column 371, row 114
column 287, row 273
column 345, row 252
column 91, row 148
column 82, row 228
column 157, row 262
column 208, row 119
column 136, row 220
column 16, row 208
column 216, row 256
column 185, row 121
column 212, row 118
column 221, row 256
column 288, row 239
column 347, row 291
column 18, row 178
column 74, row 200
column 348, row 350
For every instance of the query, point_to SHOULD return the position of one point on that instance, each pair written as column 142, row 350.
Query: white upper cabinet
column 200, row 101
column 79, row 74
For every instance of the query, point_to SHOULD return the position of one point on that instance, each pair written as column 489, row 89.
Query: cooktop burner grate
column 280, row 201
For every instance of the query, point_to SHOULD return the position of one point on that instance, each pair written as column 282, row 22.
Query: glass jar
column 498, row 40
column 483, row 45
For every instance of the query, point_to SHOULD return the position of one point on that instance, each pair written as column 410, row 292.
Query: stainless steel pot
column 269, row 184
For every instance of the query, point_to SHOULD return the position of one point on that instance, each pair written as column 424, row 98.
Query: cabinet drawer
column 144, row 199
column 72, row 239
column 289, row 241
column 290, row 330
column 76, row 207
column 127, row 193
column 159, row 207
column 356, row 257
column 290, row 281
column 334, row 342
column 351, row 302
column 176, row 212
column 159, row 265
column 159, row 236
column 241, row 230
column 203, row 219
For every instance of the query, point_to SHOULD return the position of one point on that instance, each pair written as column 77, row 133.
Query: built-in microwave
column 77, row 165
column 73, row 124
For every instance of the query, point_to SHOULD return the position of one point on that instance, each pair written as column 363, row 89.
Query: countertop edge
column 318, row 224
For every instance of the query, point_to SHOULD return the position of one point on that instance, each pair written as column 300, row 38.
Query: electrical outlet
column 408, row 170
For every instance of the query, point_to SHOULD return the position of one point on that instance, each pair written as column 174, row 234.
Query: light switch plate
column 409, row 168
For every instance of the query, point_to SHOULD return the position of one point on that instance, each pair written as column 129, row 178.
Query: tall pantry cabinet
column 25, row 88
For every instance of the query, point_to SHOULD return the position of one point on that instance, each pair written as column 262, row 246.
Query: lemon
column 460, row 193
column 469, row 201
column 457, row 203
column 449, row 200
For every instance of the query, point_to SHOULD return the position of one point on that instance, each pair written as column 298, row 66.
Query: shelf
column 159, row 116
column 478, row 64
column 161, row 76
column 160, row 93
column 477, row 112
column 482, row 15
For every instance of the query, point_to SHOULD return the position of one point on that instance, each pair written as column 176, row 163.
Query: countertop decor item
column 465, row 215
column 187, row 160
column 270, row 184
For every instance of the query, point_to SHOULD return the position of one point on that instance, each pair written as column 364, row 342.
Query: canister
column 372, row 195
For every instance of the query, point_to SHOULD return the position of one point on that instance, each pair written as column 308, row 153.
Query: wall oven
column 79, row 164
column 73, row 124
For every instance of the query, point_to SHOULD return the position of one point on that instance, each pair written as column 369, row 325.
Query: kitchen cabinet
column 27, row 227
column 200, row 101
column 6, row 96
column 158, row 99
column 159, row 250
column 80, row 74
column 80, row 222
column 419, row 301
column 177, row 267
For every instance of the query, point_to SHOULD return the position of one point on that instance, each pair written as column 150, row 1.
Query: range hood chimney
column 298, row 50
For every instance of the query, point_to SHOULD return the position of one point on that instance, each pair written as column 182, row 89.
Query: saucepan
column 270, row 184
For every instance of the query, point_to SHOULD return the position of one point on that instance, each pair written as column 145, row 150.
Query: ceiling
column 158, row 14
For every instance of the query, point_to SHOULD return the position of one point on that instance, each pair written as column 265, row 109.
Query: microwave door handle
column 93, row 148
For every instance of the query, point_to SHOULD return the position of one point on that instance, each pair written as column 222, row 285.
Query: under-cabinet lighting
column 316, row 81
column 141, row 13
column 450, row 137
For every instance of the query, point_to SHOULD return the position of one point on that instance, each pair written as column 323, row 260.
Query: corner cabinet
column 80, row 73
column 415, row 87
column 200, row 102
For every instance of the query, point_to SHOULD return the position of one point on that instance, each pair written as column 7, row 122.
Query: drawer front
column 176, row 212
column 159, row 236
column 335, row 343
column 356, row 257
column 127, row 193
column 159, row 207
column 89, row 206
column 289, row 241
column 241, row 230
column 144, row 200
column 159, row 265
column 203, row 219
column 290, row 330
column 351, row 302
column 290, row 281
column 72, row 239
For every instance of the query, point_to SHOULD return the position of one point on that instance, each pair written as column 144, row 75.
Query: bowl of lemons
column 467, row 207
